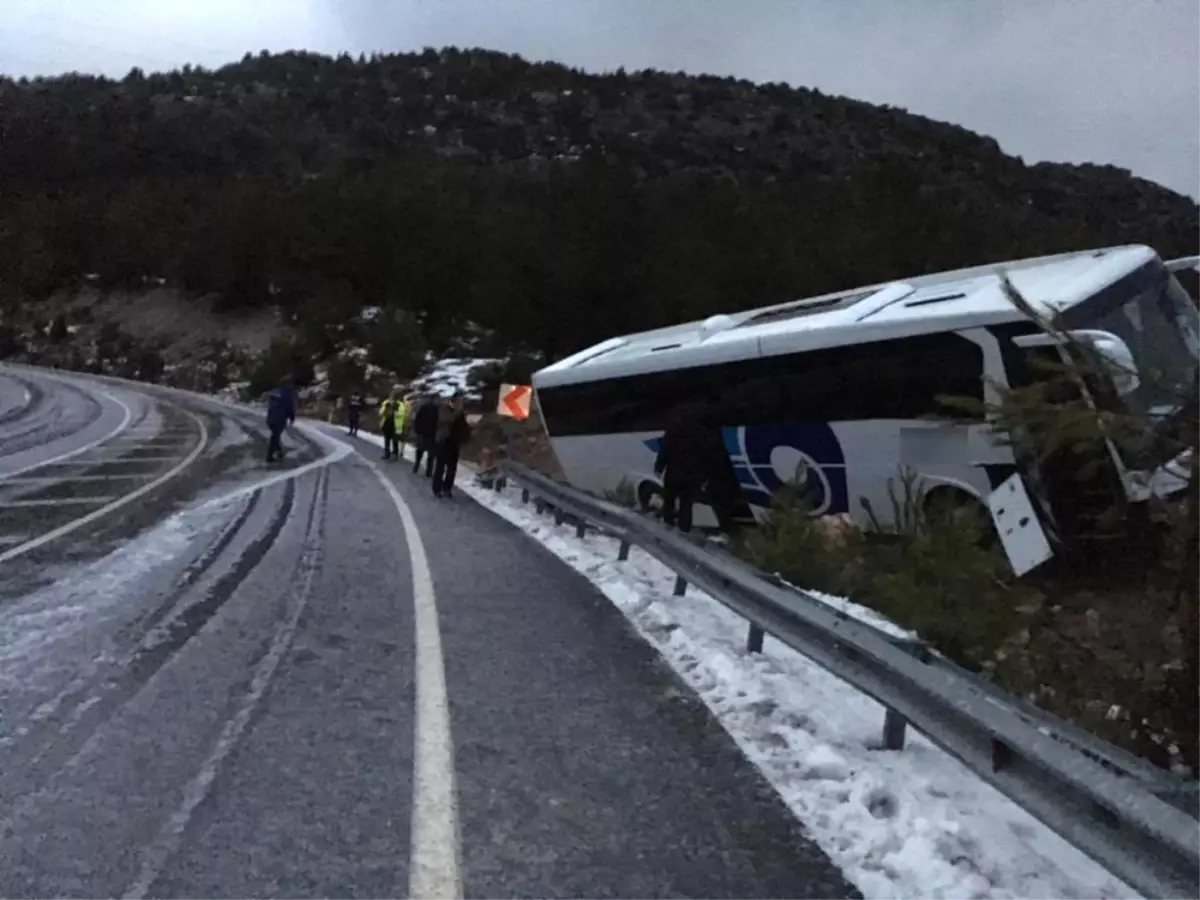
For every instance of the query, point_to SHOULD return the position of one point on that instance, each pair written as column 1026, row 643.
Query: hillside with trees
column 550, row 206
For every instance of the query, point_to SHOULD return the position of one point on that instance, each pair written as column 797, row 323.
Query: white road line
column 53, row 501
column 125, row 418
column 148, row 442
column 340, row 451
column 70, row 479
column 434, row 867
column 116, row 504
column 113, row 461
column 110, row 460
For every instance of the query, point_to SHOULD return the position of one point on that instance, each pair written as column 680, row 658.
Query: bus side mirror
column 1114, row 351
column 1110, row 347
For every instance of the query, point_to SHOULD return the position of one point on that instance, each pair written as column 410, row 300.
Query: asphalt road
column 223, row 679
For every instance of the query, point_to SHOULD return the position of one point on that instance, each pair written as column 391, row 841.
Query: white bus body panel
column 845, row 462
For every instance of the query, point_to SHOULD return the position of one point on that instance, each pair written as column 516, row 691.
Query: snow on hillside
column 450, row 376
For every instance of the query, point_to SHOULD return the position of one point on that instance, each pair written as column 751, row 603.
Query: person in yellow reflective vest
column 392, row 414
column 401, row 420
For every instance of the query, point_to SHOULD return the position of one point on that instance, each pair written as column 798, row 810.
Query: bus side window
column 755, row 401
column 900, row 379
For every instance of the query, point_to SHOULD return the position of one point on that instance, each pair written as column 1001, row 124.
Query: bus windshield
column 1159, row 322
column 1162, row 328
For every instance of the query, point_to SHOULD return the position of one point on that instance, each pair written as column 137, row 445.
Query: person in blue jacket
column 281, row 412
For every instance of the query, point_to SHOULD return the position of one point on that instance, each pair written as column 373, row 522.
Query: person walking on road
column 424, row 428
column 354, row 408
column 452, row 432
column 281, row 412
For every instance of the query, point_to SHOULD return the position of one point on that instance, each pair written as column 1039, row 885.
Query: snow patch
column 824, row 763
column 913, row 823
column 452, row 375
column 47, row 635
column 859, row 613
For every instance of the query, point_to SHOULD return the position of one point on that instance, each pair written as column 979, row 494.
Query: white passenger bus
column 844, row 386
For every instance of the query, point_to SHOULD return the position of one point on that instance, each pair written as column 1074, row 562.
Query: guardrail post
column 754, row 639
column 680, row 586
column 895, row 726
column 559, row 515
column 539, row 505
column 623, row 551
column 580, row 528
column 524, row 495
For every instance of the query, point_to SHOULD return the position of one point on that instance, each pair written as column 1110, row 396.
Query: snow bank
column 913, row 823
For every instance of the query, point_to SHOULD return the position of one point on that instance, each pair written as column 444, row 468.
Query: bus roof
column 943, row 301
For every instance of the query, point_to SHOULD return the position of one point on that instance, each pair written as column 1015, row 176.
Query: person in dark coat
column 452, row 432
column 281, row 412
column 689, row 457
column 424, row 427
column 354, row 408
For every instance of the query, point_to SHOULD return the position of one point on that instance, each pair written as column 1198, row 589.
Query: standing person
column 388, row 413
column 683, row 464
column 281, row 412
column 354, row 408
column 452, row 432
column 424, row 427
column 403, row 405
column 720, row 481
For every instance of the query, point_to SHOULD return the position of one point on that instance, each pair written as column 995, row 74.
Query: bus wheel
column 945, row 504
column 650, row 497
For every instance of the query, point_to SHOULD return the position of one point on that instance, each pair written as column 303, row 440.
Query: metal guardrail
column 1116, row 808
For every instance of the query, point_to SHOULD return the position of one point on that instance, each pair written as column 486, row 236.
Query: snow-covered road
column 319, row 680
column 913, row 823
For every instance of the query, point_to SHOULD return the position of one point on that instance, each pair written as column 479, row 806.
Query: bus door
column 1077, row 467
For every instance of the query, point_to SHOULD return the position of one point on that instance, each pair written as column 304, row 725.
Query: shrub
column 324, row 318
column 282, row 359
column 623, row 494
column 932, row 573
column 58, row 329
column 150, row 366
column 945, row 584
column 396, row 344
column 346, row 375
column 802, row 549
column 10, row 341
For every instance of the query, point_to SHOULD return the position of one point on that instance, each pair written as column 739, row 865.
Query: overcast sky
column 1108, row 81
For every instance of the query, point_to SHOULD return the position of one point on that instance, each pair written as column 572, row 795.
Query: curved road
column 223, row 679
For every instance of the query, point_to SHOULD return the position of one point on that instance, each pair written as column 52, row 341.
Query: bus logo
column 766, row 458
